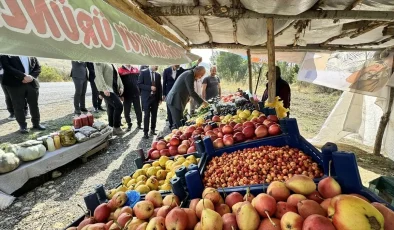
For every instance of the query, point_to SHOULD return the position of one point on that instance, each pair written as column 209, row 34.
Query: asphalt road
column 50, row 93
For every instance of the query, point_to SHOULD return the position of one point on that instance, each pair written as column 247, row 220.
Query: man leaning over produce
column 179, row 95
column 282, row 89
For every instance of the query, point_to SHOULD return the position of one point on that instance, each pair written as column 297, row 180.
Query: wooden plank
column 227, row 12
column 203, row 21
column 95, row 150
column 136, row 13
column 271, row 60
column 388, row 31
column 250, row 70
column 308, row 48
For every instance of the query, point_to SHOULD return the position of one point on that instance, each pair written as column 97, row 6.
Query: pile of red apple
column 228, row 134
column 258, row 166
column 178, row 145
column 297, row 204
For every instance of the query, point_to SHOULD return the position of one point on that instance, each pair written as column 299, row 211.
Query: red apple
column 238, row 126
column 174, row 141
column 165, row 152
column 220, row 134
column 190, row 129
column 274, row 130
column 150, row 153
column 248, row 132
column 216, row 118
column 182, row 149
column 161, row 145
column 273, row 118
column 155, row 155
column 218, row 143
column 183, row 137
column 207, row 128
column 238, row 137
column 261, row 131
column 178, row 133
column 262, row 118
column 191, row 149
column 255, row 120
column 248, row 124
column 209, row 133
column 154, row 145
column 186, row 142
column 173, row 150
column 232, row 123
column 267, row 123
column 228, row 141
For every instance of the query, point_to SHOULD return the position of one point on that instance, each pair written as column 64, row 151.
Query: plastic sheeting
column 253, row 31
column 359, row 115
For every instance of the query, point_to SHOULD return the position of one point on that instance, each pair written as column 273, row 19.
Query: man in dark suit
column 170, row 75
column 149, row 82
column 79, row 74
column 96, row 100
column 179, row 95
column 20, row 80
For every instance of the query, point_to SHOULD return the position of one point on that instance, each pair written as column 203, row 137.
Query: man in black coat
column 131, row 94
column 149, row 82
column 20, row 80
column 170, row 75
column 96, row 100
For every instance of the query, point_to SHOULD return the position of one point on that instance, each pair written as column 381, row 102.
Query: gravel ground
column 55, row 204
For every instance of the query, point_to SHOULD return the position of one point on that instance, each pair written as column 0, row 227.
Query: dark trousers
column 80, row 92
column 177, row 115
column 169, row 117
column 114, row 109
column 136, row 101
column 8, row 101
column 150, row 110
column 96, row 101
column 19, row 95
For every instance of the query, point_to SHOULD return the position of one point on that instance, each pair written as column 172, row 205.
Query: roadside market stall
column 242, row 25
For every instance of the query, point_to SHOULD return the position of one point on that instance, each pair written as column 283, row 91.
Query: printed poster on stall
column 359, row 72
column 84, row 30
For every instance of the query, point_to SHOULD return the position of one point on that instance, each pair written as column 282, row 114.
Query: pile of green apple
column 297, row 204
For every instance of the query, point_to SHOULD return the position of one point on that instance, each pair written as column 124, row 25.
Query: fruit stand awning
column 88, row 30
column 299, row 25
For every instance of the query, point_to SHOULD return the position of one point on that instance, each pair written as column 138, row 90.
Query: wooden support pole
column 383, row 124
column 250, row 70
column 384, row 120
column 271, row 60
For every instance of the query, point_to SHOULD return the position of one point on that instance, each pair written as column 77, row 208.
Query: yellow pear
column 211, row 220
column 121, row 188
column 141, row 178
column 143, row 189
column 301, row 184
column 152, row 183
column 192, row 159
column 165, row 187
column 151, row 172
column 163, row 160
column 146, row 166
column 111, row 193
column 155, row 163
column 126, row 180
column 161, row 174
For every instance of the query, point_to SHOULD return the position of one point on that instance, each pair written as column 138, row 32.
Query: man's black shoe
column 152, row 133
column 146, row 136
column 139, row 126
column 23, row 130
column 101, row 108
column 95, row 110
column 39, row 127
column 84, row 110
column 129, row 127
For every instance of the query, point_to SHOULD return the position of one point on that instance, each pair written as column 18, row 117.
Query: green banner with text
column 84, row 30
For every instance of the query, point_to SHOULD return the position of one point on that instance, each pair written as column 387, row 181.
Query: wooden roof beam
column 354, row 4
column 134, row 12
column 176, row 29
column 227, row 12
column 308, row 48
column 388, row 31
column 235, row 30
column 381, row 42
column 205, row 24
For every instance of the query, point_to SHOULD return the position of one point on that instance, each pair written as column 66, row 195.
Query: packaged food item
column 56, row 140
column 77, row 122
column 81, row 138
column 99, row 125
column 51, row 144
column 84, row 120
column 87, row 130
column 90, row 119
column 67, row 138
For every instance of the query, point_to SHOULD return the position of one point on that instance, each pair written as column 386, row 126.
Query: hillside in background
column 59, row 64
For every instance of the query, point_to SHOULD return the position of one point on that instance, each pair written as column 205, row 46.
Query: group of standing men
column 119, row 87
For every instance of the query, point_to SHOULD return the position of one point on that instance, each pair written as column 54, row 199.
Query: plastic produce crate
column 344, row 169
column 292, row 138
column 141, row 160
column 384, row 188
